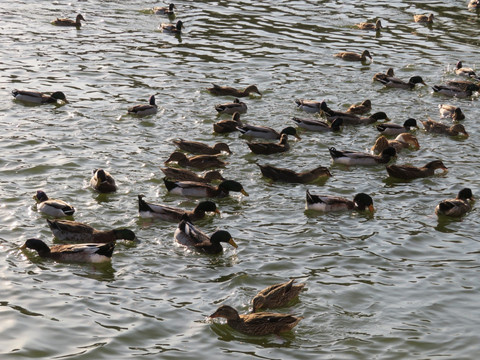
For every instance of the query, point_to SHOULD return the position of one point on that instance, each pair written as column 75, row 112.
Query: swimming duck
column 439, row 128
column 52, row 207
column 382, row 76
column 266, row 148
column 227, row 126
column 262, row 323
column 94, row 253
column 36, row 97
column 66, row 230
column 408, row 172
column 102, row 181
column 456, row 207
column 188, row 235
column 351, row 56
column 327, row 203
column 465, row 85
column 266, row 132
column 400, row 84
column 164, row 10
column 370, row 26
column 465, row 71
column 167, row 213
column 230, row 91
column 451, row 111
column 232, row 107
column 276, row 296
column 200, row 162
column 402, row 141
column 196, row 147
column 144, row 109
column 352, row 119
column 360, row 109
column 69, row 22
column 290, row 176
column 423, row 18
column 317, row 125
column 450, row 90
column 172, row 28
column 187, row 175
column 359, row 158
column 395, row 129
column 192, row 188
column 310, row 106
column 474, row 4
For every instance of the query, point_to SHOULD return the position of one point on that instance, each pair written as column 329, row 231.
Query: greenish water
column 396, row 285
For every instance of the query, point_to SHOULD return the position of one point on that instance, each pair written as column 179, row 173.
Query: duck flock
column 183, row 177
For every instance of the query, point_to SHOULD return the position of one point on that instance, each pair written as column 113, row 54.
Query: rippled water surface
column 399, row 284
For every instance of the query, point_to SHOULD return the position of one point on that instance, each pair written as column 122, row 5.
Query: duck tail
column 52, row 224
column 142, row 204
column 106, row 249
column 170, row 185
column 335, row 153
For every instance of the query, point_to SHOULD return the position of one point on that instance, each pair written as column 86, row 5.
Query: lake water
column 399, row 284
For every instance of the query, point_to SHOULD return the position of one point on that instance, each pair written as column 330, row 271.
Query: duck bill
column 371, row 208
column 23, row 247
column 466, row 135
column 231, row 242
column 214, row 315
column 244, row 192
column 217, row 211
column 298, row 137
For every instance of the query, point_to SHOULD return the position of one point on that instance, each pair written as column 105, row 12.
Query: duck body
column 230, row 91
column 408, row 172
column 328, row 203
column 383, row 76
column 187, row 175
column 69, row 22
column 400, row 84
column 195, row 189
column 276, row 296
column 395, row 129
column 290, row 176
column 36, row 97
column 53, row 207
column 465, row 71
column 360, row 158
column 456, row 207
column 474, row 4
column 360, row 109
column 196, row 147
column 102, row 181
column 232, row 107
column 464, row 85
column 310, row 106
column 164, row 10
column 265, row 132
column 144, row 109
column 402, row 141
column 201, row 162
column 451, row 111
column 317, row 125
column 228, row 126
column 454, row 91
column 439, row 128
column 351, row 56
column 172, row 28
column 264, row 148
column 423, row 18
column 369, row 26
column 94, row 253
column 262, row 323
column 350, row 118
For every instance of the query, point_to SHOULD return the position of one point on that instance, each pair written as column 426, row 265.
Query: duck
column 450, row 90
column 190, row 236
column 451, row 111
column 464, row 71
column 36, row 97
column 164, row 10
column 267, row 148
column 196, row 189
column 236, row 106
column 230, row 91
column 396, row 129
column 196, row 147
column 465, row 85
column 317, row 125
column 351, row 56
column 276, row 295
column 265, row 132
column 352, row 119
column 52, row 207
column 439, row 128
column 66, row 230
column 408, row 172
column 474, row 4
column 382, row 76
column 402, row 141
column 228, row 126
column 370, row 26
column 93, row 253
column 360, row 109
column 172, row 28
column 423, row 18
column 261, row 323
column 310, row 106
column 200, row 162
column 144, row 109
column 329, row 203
column 456, row 207
column 167, row 213
column 102, row 181
column 69, row 22
column 400, row 84
column 290, row 176
column 187, row 175
column 359, row 158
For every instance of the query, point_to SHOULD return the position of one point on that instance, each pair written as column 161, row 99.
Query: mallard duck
column 262, row 323
column 167, row 213
column 400, row 84
column 402, row 141
column 196, row 147
column 187, row 175
column 464, row 71
column 172, row 28
column 102, row 181
column 474, row 4
column 230, row 91
column 232, row 107
column 276, row 296
column 226, row 126
column 164, row 10
column 264, row 132
column 450, row 90
column 188, row 235
column 144, row 109
column 352, row 119
column 408, row 172
column 266, row 148
column 351, row 56
column 200, row 162
column 423, row 18
column 52, row 207
column 36, row 97
column 196, row 189
column 465, row 85
column 66, row 230
column 69, row 22
column 290, row 176
column 451, row 111
column 327, row 203
column 310, row 106
column 370, row 26
column 382, row 76
column 396, row 129
column 360, row 109
column 456, row 207
column 317, row 125
column 439, row 128
column 359, row 158
column 94, row 253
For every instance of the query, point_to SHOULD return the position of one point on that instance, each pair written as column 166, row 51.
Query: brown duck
column 351, row 56
column 196, row 147
column 456, row 207
column 360, row 109
column 228, row 126
column 102, row 181
column 408, row 172
column 200, row 162
column 187, row 175
column 277, row 295
column 290, row 176
column 402, row 141
column 439, row 128
column 230, row 91
column 266, row 148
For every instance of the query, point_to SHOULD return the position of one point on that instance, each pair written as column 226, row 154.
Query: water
column 395, row 285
